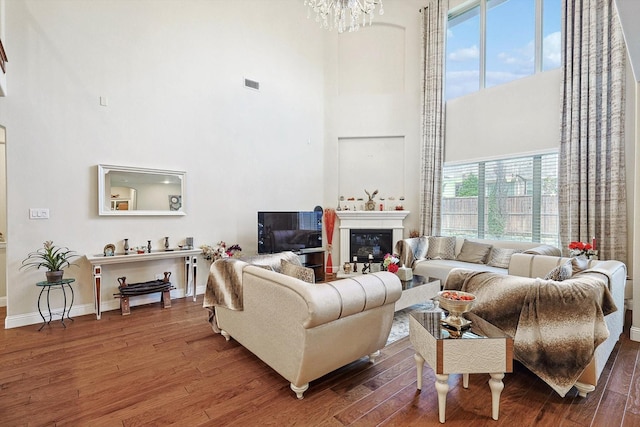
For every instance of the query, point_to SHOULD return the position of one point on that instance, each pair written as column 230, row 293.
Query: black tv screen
column 289, row 231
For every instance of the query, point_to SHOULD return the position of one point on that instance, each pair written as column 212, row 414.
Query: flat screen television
column 289, row 231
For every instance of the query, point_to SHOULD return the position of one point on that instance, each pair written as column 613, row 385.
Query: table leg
column 44, row 322
column 97, row 277
column 71, row 305
column 465, row 380
column 442, row 387
column 195, row 275
column 49, row 305
column 419, row 364
column 496, row 385
column 64, row 307
column 187, row 268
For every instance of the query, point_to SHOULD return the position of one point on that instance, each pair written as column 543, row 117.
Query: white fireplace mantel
column 363, row 220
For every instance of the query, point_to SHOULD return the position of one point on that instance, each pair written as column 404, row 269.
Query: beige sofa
column 413, row 254
column 304, row 331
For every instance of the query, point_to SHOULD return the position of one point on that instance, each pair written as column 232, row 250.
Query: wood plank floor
column 165, row 366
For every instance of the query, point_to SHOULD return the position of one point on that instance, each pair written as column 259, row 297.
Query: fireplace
column 371, row 223
column 370, row 241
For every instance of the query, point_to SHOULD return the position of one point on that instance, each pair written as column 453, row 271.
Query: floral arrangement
column 220, row 250
column 50, row 257
column 391, row 263
column 581, row 248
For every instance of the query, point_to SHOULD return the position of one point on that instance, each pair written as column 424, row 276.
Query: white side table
column 189, row 257
column 484, row 349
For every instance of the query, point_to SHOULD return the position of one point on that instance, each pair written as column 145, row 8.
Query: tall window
column 490, row 42
column 506, row 199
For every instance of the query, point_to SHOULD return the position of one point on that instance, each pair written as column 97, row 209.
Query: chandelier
column 343, row 14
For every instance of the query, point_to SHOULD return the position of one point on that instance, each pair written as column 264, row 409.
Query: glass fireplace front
column 364, row 242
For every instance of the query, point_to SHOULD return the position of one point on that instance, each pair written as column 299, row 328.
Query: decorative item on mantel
column 583, row 250
column 53, row 258
column 218, row 251
column 370, row 205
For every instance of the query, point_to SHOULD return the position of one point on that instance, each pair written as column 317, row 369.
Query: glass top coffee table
column 417, row 290
column 482, row 349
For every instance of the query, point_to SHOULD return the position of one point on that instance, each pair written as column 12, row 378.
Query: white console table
column 97, row 261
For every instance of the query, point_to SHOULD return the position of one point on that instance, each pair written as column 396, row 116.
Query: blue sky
column 510, row 44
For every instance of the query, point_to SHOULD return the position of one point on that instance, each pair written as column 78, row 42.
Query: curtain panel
column 434, row 19
column 591, row 176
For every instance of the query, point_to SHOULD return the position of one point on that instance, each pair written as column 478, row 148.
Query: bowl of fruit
column 456, row 303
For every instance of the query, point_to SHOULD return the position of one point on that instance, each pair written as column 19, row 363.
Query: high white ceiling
column 629, row 11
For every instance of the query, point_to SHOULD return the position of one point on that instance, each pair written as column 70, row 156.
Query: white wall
column 373, row 97
column 172, row 72
column 517, row 117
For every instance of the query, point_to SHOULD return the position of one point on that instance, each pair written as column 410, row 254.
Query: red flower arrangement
column 582, row 248
column 391, row 262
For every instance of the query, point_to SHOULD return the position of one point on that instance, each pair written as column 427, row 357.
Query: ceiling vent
column 251, row 84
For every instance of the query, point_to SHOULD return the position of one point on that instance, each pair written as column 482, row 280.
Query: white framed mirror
column 124, row 190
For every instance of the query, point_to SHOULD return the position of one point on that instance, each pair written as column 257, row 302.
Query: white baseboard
column 86, row 309
column 635, row 334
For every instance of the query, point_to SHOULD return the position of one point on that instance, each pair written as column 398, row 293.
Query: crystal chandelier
column 343, row 14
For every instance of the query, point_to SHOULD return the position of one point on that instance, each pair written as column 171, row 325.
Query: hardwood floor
column 165, row 366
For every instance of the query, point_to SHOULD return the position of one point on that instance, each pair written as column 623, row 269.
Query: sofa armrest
column 331, row 301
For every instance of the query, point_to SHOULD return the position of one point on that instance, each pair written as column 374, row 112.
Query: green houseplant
column 51, row 257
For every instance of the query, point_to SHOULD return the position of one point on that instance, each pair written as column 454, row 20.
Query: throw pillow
column 579, row 264
column 474, row 252
column 299, row 272
column 441, row 248
column 500, row 257
column 560, row 273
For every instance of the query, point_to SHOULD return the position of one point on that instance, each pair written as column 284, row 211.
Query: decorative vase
column 149, row 245
column 126, row 246
column 166, row 243
column 54, row 276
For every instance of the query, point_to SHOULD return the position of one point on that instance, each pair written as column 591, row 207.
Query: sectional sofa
column 531, row 269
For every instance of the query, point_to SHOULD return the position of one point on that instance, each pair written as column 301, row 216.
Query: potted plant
column 53, row 258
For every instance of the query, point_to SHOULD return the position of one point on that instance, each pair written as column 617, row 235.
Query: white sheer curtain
column 434, row 19
column 591, row 176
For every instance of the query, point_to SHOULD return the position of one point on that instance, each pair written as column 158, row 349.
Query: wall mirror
column 126, row 190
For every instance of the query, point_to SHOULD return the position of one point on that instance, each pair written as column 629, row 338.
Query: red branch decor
column 329, row 222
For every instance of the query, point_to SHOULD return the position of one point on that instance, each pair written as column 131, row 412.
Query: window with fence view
column 505, row 199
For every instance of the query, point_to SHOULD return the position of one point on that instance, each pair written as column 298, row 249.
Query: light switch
column 38, row 213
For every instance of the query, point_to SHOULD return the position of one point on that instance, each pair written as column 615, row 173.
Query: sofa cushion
column 500, row 257
column 544, row 250
column 441, row 248
column 474, row 252
column 272, row 260
column 440, row 268
column 298, row 271
column 561, row 272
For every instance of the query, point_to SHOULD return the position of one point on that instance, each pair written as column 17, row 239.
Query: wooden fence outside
column 460, row 218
